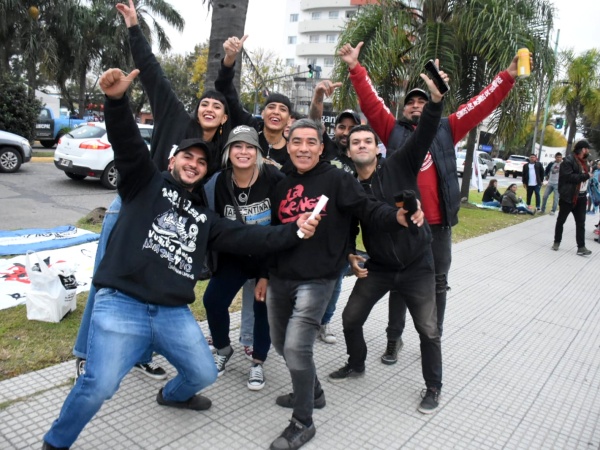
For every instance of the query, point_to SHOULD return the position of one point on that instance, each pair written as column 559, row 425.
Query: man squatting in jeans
column 146, row 279
column 437, row 180
column 302, row 280
column 401, row 261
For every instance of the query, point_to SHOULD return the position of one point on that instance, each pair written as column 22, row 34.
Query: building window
column 334, row 14
column 315, row 16
column 293, row 17
column 314, row 39
column 350, row 14
column 328, row 61
column 291, row 39
column 289, row 62
column 331, row 38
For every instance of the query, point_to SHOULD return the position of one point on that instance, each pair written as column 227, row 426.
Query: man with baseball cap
column 147, row 277
column 573, row 180
column 437, row 181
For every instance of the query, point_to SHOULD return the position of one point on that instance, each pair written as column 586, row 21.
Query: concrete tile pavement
column 521, row 370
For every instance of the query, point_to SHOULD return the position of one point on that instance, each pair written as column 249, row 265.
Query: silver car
column 14, row 151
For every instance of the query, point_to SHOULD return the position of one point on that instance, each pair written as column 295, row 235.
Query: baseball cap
column 350, row 114
column 243, row 133
column 189, row 143
column 414, row 93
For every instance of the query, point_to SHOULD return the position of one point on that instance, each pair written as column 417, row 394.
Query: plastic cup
column 523, row 67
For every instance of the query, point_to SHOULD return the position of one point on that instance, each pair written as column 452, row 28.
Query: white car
column 514, row 165
column 460, row 165
column 86, row 152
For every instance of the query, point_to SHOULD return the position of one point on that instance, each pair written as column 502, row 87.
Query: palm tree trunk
column 82, row 88
column 228, row 19
column 466, row 178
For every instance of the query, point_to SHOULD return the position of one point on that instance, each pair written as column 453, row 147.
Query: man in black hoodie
column 146, row 279
column 401, row 261
column 302, row 279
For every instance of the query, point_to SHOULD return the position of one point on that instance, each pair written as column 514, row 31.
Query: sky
column 265, row 22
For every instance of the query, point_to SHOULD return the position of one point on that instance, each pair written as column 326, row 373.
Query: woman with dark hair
column 491, row 196
column 510, row 202
column 241, row 192
column 172, row 124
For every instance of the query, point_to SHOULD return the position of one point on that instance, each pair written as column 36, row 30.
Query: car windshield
column 87, row 132
column 517, row 158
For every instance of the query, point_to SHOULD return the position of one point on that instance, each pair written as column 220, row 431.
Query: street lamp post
column 547, row 104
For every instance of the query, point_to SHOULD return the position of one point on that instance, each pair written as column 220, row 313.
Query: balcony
column 320, row 49
column 307, row 5
column 315, row 26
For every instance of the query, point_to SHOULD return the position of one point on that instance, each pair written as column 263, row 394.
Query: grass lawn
column 29, row 345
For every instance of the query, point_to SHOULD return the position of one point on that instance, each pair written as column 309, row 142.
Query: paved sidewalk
column 521, row 370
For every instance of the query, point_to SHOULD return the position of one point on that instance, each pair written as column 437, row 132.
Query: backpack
column 594, row 190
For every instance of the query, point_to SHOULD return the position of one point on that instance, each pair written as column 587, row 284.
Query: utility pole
column 547, row 102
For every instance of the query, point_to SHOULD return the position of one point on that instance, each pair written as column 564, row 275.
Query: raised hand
column 114, row 82
column 233, row 46
column 129, row 13
column 349, row 54
column 512, row 69
column 326, row 87
column 436, row 96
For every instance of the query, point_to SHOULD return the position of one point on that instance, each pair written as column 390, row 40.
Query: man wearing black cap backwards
column 146, row 279
column 275, row 113
column 437, row 181
column 573, row 179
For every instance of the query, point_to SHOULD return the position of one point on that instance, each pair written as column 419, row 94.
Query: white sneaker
column 326, row 335
column 256, row 379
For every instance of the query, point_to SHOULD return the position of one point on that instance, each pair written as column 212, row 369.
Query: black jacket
column 539, row 173
column 158, row 245
column 570, row 178
column 396, row 173
column 490, row 194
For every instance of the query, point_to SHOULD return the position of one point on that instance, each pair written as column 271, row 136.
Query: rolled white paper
column 320, row 205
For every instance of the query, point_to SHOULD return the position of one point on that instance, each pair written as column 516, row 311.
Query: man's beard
column 414, row 119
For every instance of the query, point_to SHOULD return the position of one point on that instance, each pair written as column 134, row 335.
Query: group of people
column 253, row 223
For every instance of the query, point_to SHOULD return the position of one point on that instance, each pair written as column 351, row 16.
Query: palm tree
column 473, row 39
column 580, row 91
column 228, row 19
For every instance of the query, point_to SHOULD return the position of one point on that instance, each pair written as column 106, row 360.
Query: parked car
column 86, row 152
column 460, row 164
column 499, row 163
column 14, row 151
column 489, row 162
column 514, row 165
column 49, row 128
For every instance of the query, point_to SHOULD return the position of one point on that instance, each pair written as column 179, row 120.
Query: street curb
column 42, row 158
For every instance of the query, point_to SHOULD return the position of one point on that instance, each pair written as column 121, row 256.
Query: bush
column 18, row 112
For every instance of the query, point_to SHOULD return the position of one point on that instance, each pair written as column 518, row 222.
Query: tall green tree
column 473, row 39
column 579, row 92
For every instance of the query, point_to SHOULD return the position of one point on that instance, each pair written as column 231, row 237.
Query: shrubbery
column 18, row 112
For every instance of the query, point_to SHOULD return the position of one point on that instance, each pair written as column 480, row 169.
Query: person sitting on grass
column 510, row 202
column 491, row 196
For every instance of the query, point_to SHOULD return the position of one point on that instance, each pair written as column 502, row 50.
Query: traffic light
column 558, row 123
column 310, row 71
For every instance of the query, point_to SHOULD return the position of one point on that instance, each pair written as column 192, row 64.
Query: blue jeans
column 295, row 310
column 414, row 286
column 533, row 190
column 550, row 188
column 123, row 329
column 494, row 203
column 247, row 314
column 441, row 247
column 337, row 290
column 219, row 294
column 81, row 342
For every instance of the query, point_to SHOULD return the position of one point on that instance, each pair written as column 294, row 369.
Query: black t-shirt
column 337, row 158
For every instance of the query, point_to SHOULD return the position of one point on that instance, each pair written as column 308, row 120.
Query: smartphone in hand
column 434, row 74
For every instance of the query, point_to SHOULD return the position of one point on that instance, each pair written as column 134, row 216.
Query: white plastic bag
column 53, row 290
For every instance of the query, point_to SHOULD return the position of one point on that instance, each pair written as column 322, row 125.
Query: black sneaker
column 79, row 368
column 294, row 436
column 221, row 360
column 287, row 400
column 151, row 370
column 391, row 352
column 583, row 251
column 197, row 402
column 431, row 400
column 345, row 373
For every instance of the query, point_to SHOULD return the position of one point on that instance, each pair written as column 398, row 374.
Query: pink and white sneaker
column 248, row 350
